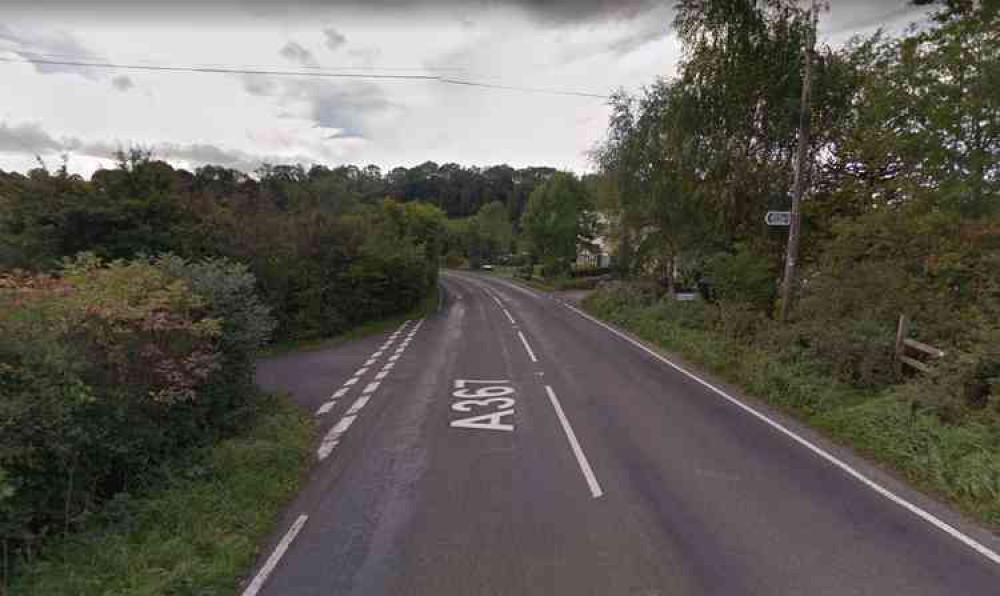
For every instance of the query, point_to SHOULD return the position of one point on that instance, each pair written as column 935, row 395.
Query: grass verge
column 958, row 463
column 428, row 305
column 198, row 532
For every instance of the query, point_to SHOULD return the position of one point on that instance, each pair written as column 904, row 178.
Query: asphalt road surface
column 509, row 445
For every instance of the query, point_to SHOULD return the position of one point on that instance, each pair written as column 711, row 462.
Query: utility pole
column 801, row 155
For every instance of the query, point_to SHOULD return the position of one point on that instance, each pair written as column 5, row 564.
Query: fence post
column 901, row 329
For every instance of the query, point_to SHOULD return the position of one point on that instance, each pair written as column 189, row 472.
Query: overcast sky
column 240, row 120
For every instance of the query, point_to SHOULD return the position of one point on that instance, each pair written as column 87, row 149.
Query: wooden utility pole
column 801, row 155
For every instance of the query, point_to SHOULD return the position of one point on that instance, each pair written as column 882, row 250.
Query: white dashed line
column 360, row 372
column 371, row 361
column 358, row 404
column 878, row 488
column 350, row 381
column 509, row 318
column 381, row 374
column 588, row 474
column 531, row 354
column 394, row 358
column 326, row 407
column 272, row 561
column 371, row 387
column 340, row 392
column 332, row 438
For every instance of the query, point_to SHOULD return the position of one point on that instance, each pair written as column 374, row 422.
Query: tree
column 557, row 220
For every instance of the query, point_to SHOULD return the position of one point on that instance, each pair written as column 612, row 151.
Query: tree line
column 902, row 178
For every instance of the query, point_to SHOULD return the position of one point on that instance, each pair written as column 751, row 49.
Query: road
column 508, row 445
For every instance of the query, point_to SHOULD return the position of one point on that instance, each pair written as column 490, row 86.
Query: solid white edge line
column 527, row 347
column 272, row 561
column 829, row 457
column 581, row 459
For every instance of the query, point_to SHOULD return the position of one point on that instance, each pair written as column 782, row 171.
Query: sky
column 562, row 55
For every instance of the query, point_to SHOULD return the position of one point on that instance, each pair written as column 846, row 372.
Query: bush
column 109, row 369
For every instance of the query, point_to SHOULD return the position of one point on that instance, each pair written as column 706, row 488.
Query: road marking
column 326, row 407
column 829, row 457
column 377, row 354
column 394, row 358
column 371, row 387
column 381, row 374
column 350, row 381
column 358, row 404
column 588, row 474
column 360, row 372
column 527, row 347
column 272, row 561
column 332, row 438
column 509, row 318
column 371, row 361
column 340, row 392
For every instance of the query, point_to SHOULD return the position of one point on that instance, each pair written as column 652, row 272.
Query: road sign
column 778, row 218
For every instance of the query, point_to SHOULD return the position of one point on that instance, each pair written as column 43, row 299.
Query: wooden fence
column 904, row 343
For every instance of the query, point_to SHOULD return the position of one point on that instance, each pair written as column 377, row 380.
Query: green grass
column 428, row 305
column 196, row 533
column 958, row 463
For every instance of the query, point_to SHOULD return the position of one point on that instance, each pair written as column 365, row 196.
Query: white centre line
column 878, row 488
column 531, row 354
column 272, row 561
column 509, row 318
column 595, row 488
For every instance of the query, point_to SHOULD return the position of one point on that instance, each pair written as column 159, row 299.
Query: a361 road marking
column 491, row 395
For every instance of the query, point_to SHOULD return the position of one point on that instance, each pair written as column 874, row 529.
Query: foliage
column 196, row 528
column 109, row 369
column 557, row 220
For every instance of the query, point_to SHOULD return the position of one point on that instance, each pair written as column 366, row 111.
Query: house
column 596, row 254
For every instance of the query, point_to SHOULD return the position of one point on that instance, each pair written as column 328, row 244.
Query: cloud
column 27, row 138
column 31, row 139
column 550, row 11
column 334, row 38
column 295, row 52
column 122, row 82
column 346, row 107
column 49, row 45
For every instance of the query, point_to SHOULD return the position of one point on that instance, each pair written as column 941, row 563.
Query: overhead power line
column 339, row 74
